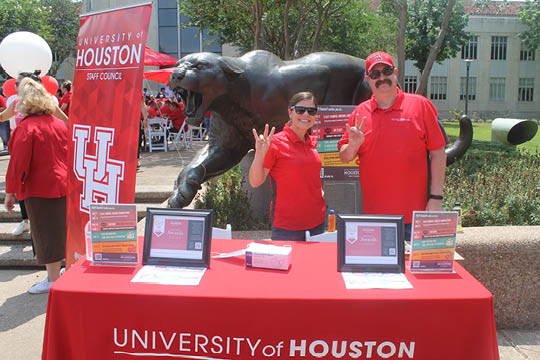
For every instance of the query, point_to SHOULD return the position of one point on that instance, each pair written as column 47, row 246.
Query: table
column 244, row 313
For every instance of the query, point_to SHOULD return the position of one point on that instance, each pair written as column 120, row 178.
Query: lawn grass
column 482, row 133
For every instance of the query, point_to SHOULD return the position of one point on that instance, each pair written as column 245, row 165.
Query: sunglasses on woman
column 375, row 74
column 302, row 109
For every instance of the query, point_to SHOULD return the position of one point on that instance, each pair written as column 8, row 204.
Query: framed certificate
column 370, row 243
column 178, row 237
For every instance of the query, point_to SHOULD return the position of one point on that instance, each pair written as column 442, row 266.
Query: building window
column 410, row 84
column 498, row 47
column 472, row 88
column 526, row 54
column 497, row 89
column 526, row 88
column 438, row 88
column 168, row 27
column 470, row 50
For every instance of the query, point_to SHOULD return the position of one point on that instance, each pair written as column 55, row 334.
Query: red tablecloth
column 243, row 313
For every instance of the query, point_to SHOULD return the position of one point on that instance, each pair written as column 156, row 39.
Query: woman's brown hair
column 304, row 95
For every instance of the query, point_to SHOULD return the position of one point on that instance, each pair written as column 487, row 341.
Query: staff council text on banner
column 104, row 115
column 329, row 128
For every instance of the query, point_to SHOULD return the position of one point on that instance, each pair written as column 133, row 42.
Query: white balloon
column 23, row 51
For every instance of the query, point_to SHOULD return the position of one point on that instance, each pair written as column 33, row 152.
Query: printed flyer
column 433, row 241
column 371, row 243
column 114, row 234
column 178, row 237
column 329, row 128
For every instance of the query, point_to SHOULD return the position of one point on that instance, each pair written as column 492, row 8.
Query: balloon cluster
column 23, row 51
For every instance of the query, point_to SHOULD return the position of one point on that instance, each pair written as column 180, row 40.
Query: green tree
column 292, row 28
column 530, row 15
column 429, row 31
column 435, row 32
column 63, row 19
column 57, row 21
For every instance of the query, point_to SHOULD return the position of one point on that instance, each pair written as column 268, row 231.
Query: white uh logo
column 100, row 175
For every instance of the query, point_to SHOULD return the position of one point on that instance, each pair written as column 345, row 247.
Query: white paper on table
column 169, row 275
column 375, row 281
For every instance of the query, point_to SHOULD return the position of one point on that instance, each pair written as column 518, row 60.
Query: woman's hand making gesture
column 257, row 173
column 262, row 141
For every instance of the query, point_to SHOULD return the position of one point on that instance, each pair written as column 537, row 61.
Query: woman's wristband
column 436, row 197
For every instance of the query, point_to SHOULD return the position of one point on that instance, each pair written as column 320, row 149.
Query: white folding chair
column 156, row 134
column 219, row 233
column 182, row 136
column 324, row 237
column 197, row 132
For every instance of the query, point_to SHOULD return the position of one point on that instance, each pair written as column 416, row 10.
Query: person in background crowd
column 165, row 109
column 177, row 116
column 5, row 131
column 37, row 173
column 66, row 97
column 207, row 118
column 393, row 133
column 143, row 124
column 153, row 110
column 293, row 163
column 58, row 95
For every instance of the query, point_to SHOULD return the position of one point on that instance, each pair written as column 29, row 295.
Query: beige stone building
column 503, row 74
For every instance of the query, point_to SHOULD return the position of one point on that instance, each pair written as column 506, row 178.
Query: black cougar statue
column 250, row 91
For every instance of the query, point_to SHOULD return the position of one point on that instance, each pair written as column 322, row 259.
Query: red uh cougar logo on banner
column 100, row 175
column 104, row 115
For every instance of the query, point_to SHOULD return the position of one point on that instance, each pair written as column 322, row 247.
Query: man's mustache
column 381, row 82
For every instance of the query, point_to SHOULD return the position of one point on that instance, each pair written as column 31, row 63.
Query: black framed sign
column 370, row 243
column 178, row 237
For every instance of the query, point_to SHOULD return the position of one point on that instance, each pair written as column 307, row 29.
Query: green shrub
column 231, row 204
column 496, row 185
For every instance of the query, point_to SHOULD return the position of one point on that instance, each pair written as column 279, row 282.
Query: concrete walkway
column 22, row 316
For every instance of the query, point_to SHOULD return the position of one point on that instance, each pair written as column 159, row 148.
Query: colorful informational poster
column 371, row 243
column 113, row 230
column 179, row 237
column 104, row 115
column 433, row 241
column 329, row 128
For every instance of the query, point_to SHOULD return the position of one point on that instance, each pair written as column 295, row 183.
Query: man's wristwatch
column 436, row 197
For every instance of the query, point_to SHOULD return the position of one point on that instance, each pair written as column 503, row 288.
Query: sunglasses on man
column 375, row 74
column 302, row 109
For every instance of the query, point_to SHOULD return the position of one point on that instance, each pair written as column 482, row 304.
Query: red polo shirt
column 152, row 113
column 66, row 99
column 393, row 158
column 38, row 163
column 165, row 110
column 295, row 172
column 2, row 102
column 177, row 116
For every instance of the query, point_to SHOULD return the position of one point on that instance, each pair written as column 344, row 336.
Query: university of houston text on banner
column 104, row 115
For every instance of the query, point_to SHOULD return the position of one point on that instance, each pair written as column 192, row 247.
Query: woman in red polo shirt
column 293, row 163
column 37, row 174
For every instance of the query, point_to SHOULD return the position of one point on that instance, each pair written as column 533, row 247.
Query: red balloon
column 50, row 84
column 9, row 88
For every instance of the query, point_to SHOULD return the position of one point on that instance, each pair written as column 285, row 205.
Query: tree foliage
column 530, row 15
column 293, row 28
column 425, row 21
column 57, row 21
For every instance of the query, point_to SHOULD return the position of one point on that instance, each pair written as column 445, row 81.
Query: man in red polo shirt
column 393, row 133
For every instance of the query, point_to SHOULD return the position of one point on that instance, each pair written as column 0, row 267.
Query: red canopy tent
column 154, row 58
column 161, row 75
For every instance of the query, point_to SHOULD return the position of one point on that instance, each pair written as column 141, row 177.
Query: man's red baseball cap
column 379, row 57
